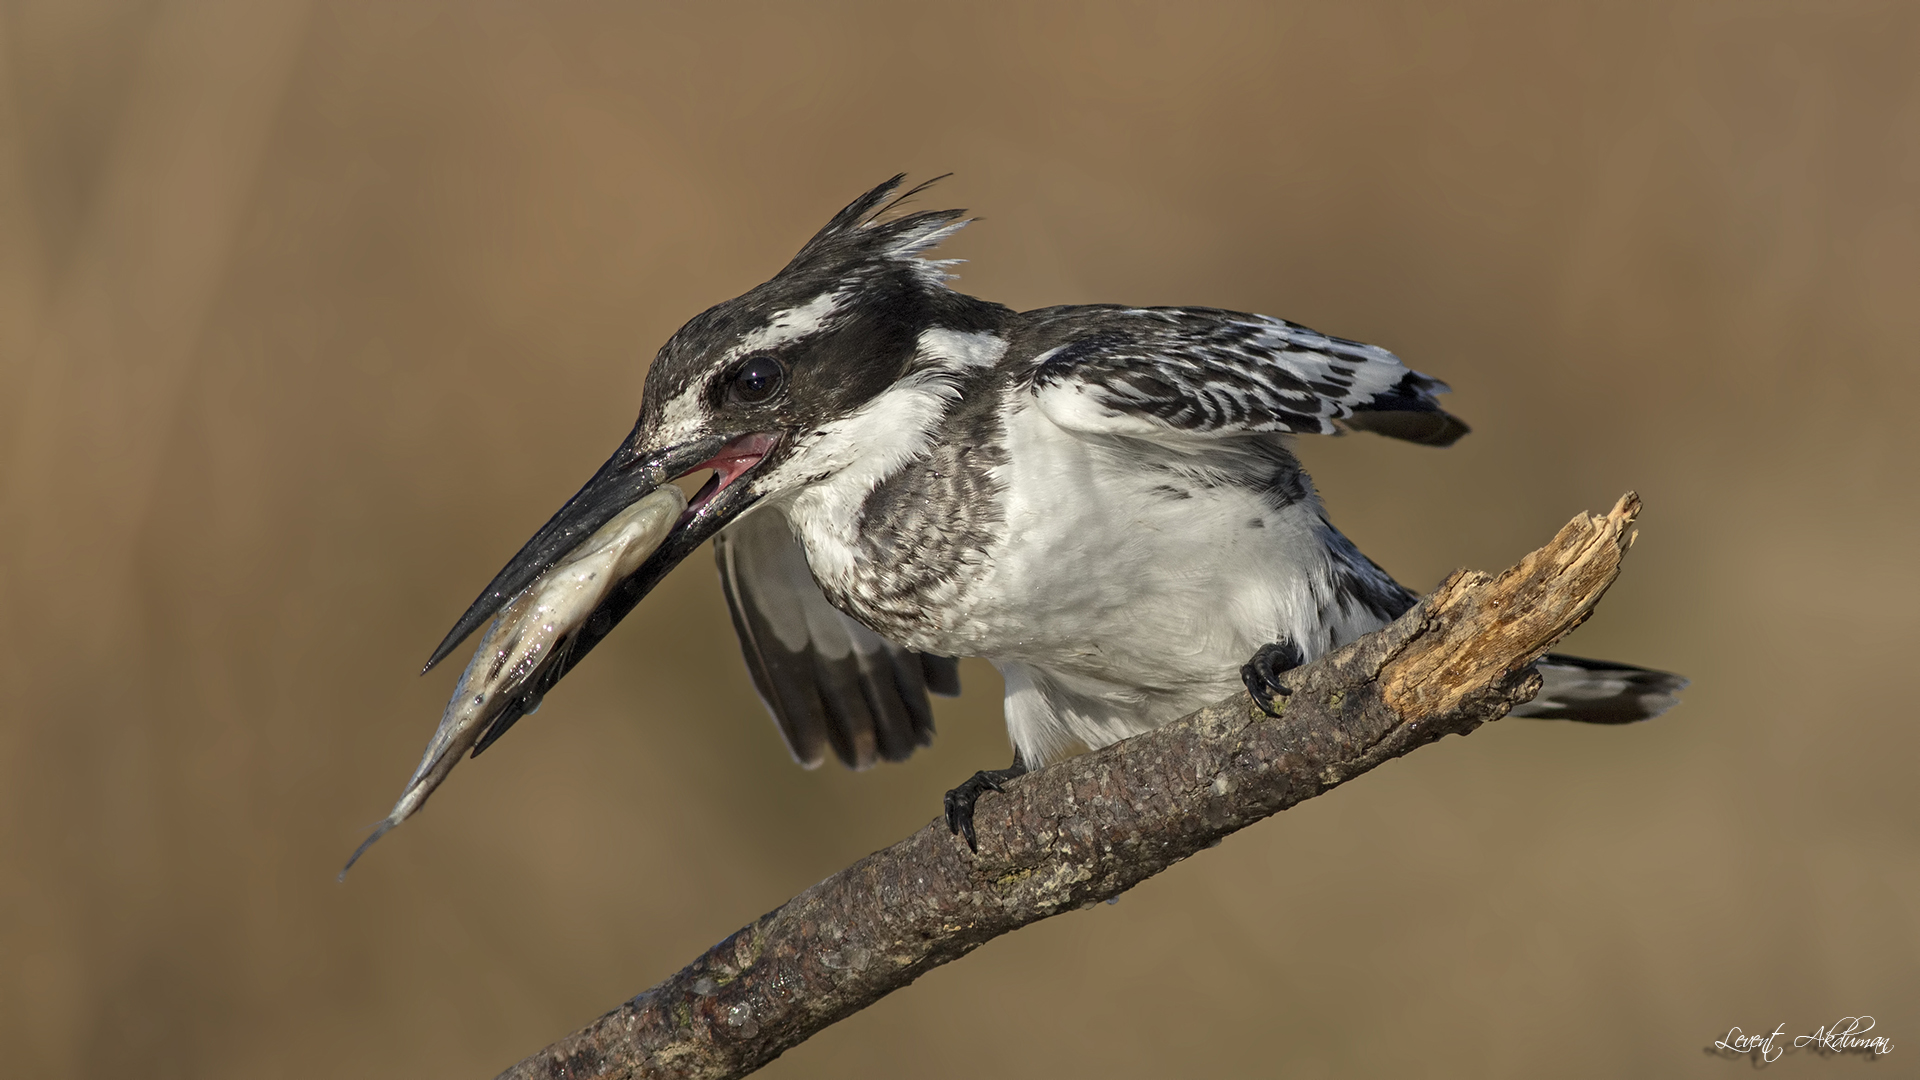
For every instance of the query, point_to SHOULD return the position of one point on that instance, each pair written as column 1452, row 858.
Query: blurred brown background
column 283, row 284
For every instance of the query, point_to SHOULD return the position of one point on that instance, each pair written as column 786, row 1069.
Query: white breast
column 1115, row 604
column 1129, row 581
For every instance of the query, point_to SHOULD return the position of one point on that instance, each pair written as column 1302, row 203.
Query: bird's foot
column 1262, row 673
column 961, row 799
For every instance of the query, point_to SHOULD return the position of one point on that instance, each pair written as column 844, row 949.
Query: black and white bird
column 1100, row 500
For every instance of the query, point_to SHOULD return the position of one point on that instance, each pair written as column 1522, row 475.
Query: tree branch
column 1089, row 828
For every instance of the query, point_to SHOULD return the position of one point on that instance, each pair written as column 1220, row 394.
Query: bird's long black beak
column 633, row 472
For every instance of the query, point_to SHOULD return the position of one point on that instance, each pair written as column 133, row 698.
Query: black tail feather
column 1601, row 692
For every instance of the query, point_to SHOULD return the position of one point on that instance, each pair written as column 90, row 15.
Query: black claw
column 1262, row 673
column 961, row 799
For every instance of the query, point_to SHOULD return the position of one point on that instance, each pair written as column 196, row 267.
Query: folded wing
column 827, row 680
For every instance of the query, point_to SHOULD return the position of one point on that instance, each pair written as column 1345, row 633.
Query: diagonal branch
column 1090, row 828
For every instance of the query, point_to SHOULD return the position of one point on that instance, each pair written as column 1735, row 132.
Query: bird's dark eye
column 758, row 379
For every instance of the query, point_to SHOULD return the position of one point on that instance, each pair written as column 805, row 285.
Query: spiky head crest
column 841, row 322
column 867, row 231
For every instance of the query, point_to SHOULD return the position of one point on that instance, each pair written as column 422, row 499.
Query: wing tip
column 942, row 674
column 1435, row 427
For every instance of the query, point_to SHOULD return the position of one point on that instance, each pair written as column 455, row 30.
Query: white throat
column 834, row 469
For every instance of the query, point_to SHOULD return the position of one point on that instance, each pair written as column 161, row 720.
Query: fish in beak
column 569, row 585
column 781, row 387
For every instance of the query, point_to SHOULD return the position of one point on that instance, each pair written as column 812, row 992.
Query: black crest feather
column 864, row 229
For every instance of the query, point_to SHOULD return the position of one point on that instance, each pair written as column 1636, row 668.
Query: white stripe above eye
column 791, row 324
column 686, row 416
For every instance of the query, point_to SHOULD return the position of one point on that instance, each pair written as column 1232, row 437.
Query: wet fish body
column 530, row 634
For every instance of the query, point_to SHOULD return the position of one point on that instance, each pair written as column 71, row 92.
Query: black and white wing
column 1201, row 373
column 827, row 680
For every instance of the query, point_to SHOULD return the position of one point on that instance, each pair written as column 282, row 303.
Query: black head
column 762, row 389
column 829, row 333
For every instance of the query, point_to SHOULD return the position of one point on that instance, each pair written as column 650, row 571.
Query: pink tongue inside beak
column 733, row 459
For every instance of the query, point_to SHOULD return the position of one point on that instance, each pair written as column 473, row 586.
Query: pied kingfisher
column 1100, row 500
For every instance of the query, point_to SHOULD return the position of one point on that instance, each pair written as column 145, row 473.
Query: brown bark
column 1089, row 828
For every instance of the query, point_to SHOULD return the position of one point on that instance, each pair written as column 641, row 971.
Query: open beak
column 632, row 473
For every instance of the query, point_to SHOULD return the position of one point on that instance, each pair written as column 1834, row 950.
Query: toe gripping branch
column 961, row 799
column 1262, row 673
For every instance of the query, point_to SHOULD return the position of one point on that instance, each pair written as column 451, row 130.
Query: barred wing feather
column 1172, row 373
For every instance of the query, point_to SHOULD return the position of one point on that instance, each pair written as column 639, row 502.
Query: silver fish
column 532, row 633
